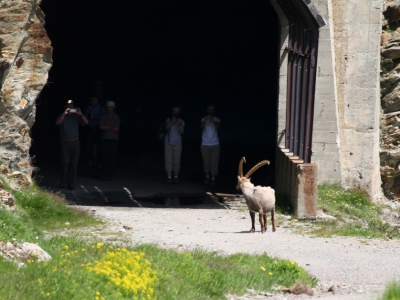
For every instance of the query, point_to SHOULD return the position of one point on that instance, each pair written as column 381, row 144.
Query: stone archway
column 26, row 60
column 345, row 140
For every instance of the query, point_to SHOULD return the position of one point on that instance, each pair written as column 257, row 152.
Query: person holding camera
column 69, row 122
column 210, row 148
column 109, row 126
column 174, row 127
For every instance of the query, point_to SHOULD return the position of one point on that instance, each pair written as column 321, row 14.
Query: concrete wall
column 283, row 62
column 357, row 29
column 347, row 105
column 326, row 133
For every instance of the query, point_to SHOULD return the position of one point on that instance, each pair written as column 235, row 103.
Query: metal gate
column 304, row 23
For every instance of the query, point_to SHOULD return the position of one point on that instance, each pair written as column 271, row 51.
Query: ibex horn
column 241, row 166
column 256, row 167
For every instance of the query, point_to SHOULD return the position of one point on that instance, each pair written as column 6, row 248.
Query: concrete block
column 306, row 191
column 359, row 13
column 321, row 125
column 325, row 70
column 324, row 114
column 324, row 45
column 324, row 33
column 325, row 103
column 325, row 147
column 324, row 136
column 324, row 84
column 375, row 13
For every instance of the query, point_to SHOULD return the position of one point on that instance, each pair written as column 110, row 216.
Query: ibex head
column 246, row 178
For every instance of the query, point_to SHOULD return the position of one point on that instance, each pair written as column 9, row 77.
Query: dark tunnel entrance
column 150, row 55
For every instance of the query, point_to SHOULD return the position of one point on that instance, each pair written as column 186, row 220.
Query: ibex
column 258, row 198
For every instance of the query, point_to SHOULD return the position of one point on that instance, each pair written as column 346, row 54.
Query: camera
column 72, row 111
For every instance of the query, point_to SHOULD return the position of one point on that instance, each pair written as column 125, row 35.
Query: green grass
column 391, row 28
column 205, row 275
column 46, row 210
column 38, row 210
column 180, row 275
column 356, row 214
column 392, row 291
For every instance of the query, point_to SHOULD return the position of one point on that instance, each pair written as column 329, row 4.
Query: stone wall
column 390, row 100
column 25, row 60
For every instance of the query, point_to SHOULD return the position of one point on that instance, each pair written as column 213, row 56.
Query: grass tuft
column 392, row 291
column 205, row 275
column 356, row 214
column 49, row 210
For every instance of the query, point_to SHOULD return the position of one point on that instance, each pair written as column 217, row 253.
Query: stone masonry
column 390, row 100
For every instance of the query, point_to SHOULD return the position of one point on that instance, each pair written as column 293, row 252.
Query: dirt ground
column 350, row 268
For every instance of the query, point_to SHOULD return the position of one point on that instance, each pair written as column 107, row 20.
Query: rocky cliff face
column 25, row 60
column 390, row 100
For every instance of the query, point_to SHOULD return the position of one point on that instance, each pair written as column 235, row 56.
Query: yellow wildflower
column 262, row 268
column 48, row 294
column 66, row 247
column 83, row 249
column 292, row 262
column 270, row 273
column 97, row 293
column 128, row 271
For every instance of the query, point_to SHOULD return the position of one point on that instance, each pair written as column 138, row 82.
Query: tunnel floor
column 140, row 176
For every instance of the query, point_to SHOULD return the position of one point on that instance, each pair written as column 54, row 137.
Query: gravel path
column 356, row 268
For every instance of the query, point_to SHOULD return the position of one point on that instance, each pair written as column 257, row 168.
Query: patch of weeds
column 356, row 214
column 13, row 227
column 392, row 291
column 79, row 270
column 390, row 28
column 43, row 210
column 205, row 275
column 6, row 185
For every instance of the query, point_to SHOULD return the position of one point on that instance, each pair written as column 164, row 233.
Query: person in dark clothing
column 93, row 114
column 69, row 122
column 109, row 125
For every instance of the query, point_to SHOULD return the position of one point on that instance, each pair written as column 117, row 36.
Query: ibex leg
column 261, row 217
column 253, row 216
column 265, row 222
column 273, row 219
